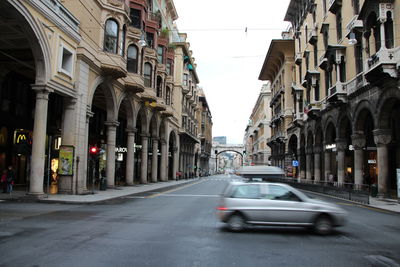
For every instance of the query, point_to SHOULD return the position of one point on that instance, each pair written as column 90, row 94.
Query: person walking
column 3, row 181
column 10, row 179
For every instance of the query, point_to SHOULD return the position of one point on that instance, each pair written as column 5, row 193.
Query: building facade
column 258, row 130
column 346, row 92
column 204, row 119
column 104, row 74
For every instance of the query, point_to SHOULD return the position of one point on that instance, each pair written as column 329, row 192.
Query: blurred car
column 276, row 204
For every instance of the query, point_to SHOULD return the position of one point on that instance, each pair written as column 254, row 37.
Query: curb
column 161, row 189
column 352, row 201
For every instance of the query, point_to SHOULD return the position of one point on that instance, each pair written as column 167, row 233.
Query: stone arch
column 142, row 117
column 329, row 126
column 154, row 129
column 110, row 99
column 363, row 109
column 38, row 42
column 388, row 101
column 293, row 144
column 310, row 138
column 344, row 127
column 125, row 102
column 318, row 136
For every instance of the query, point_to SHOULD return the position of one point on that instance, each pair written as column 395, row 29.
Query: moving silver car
column 263, row 203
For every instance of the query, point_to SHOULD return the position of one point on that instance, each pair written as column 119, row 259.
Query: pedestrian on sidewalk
column 10, row 179
column 3, row 181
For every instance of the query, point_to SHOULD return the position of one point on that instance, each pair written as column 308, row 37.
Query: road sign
column 295, row 163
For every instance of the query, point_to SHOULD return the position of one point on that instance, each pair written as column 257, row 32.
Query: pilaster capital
column 309, row 150
column 341, row 144
column 70, row 102
column 163, row 141
column 130, row 132
column 41, row 89
column 111, row 124
column 317, row 149
column 382, row 137
column 145, row 136
column 358, row 140
column 155, row 139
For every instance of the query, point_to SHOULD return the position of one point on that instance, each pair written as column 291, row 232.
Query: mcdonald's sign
column 22, row 137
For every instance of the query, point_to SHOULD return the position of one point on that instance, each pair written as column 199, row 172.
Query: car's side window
column 247, row 191
column 276, row 192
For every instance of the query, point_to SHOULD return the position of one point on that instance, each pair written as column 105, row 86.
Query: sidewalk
column 98, row 196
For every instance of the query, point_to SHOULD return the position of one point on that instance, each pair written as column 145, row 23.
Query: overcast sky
column 228, row 59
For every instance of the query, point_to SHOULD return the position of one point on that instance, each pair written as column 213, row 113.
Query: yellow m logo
column 21, row 137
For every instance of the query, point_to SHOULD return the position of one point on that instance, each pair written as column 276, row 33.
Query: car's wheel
column 323, row 225
column 236, row 223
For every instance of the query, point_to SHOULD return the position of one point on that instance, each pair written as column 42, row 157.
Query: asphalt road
column 179, row 228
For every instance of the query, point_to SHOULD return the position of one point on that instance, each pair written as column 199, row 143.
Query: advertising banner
column 66, row 157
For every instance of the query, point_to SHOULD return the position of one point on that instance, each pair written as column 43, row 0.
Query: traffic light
column 94, row 150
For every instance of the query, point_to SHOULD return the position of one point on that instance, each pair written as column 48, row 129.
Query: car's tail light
column 221, row 208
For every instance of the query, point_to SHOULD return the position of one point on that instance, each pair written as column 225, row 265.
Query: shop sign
column 330, row 146
column 372, row 161
column 66, row 164
column 121, row 149
column 21, row 137
column 295, row 163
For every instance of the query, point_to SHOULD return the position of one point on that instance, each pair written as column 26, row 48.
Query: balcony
column 337, row 93
column 154, row 20
column 334, row 5
column 312, row 110
column 312, row 35
column 382, row 65
column 112, row 65
column 298, row 119
column 356, row 84
column 298, row 58
column 168, row 112
column 134, row 83
column 354, row 24
column 160, row 104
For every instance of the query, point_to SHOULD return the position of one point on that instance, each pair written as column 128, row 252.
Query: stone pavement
column 100, row 196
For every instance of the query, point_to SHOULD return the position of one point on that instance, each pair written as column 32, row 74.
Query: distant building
column 220, row 140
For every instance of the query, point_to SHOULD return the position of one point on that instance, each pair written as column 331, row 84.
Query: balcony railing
column 337, row 91
column 334, row 5
column 312, row 35
column 298, row 58
column 354, row 23
column 384, row 61
column 356, row 84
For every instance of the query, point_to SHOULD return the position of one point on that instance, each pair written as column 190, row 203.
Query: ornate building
column 104, row 74
column 258, row 130
column 346, row 91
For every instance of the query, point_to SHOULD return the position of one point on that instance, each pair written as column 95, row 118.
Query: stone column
column 308, row 163
column 143, row 174
column 130, row 156
column 327, row 163
column 154, row 160
column 382, row 33
column 341, row 146
column 358, row 142
column 317, row 163
column 176, row 162
column 382, row 138
column 39, row 140
column 164, row 159
column 65, row 183
column 110, row 164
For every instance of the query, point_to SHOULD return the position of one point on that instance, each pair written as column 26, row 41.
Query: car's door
column 247, row 199
column 284, row 206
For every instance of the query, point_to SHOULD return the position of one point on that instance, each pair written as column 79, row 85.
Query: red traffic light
column 93, row 150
